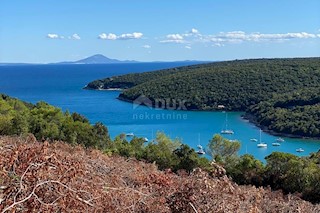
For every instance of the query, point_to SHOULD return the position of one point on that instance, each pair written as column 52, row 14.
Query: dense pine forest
column 239, row 85
column 296, row 113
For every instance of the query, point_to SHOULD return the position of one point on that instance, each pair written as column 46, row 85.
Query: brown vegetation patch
column 56, row 177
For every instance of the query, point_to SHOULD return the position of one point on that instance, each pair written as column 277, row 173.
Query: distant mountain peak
column 98, row 59
column 101, row 59
column 98, row 56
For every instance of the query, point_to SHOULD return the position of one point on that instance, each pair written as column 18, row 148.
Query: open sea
column 61, row 86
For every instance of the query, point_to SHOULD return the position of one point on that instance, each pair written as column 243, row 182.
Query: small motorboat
column 300, row 150
column 254, row 140
column 280, row 140
column 130, row 134
column 227, row 131
column 276, row 144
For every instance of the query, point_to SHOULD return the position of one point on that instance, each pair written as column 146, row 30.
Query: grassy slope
column 58, row 177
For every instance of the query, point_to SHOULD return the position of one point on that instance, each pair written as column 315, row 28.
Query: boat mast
column 226, row 121
column 260, row 136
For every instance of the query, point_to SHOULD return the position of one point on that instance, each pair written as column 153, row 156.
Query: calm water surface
column 61, row 85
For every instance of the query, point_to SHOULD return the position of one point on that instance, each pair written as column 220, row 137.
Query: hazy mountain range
column 100, row 59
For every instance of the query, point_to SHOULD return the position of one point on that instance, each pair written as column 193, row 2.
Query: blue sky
column 41, row 31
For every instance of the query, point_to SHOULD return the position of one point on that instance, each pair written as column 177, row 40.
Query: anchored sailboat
column 261, row 144
column 226, row 130
column 200, row 150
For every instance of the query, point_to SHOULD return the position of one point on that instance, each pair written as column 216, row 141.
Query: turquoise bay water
column 61, row 86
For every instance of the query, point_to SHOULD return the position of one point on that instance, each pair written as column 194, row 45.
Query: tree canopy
column 48, row 122
column 295, row 113
column 222, row 149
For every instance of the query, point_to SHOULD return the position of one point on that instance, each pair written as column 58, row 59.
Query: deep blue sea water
column 61, row 86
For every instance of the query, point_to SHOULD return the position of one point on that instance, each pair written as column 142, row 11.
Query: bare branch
column 194, row 208
column 37, row 198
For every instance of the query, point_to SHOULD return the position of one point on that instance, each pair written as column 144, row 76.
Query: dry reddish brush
column 56, row 177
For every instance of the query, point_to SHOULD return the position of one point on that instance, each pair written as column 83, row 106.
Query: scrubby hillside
column 133, row 79
column 235, row 84
column 56, row 177
column 295, row 113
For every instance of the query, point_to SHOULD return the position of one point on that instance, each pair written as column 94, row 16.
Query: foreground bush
column 57, row 177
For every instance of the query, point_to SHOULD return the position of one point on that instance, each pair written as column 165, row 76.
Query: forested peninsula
column 281, row 95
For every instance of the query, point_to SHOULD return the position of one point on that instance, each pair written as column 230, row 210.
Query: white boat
column 254, row 140
column 226, row 130
column 145, row 139
column 280, row 139
column 200, row 150
column 261, row 144
column 130, row 134
column 300, row 150
column 276, row 144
